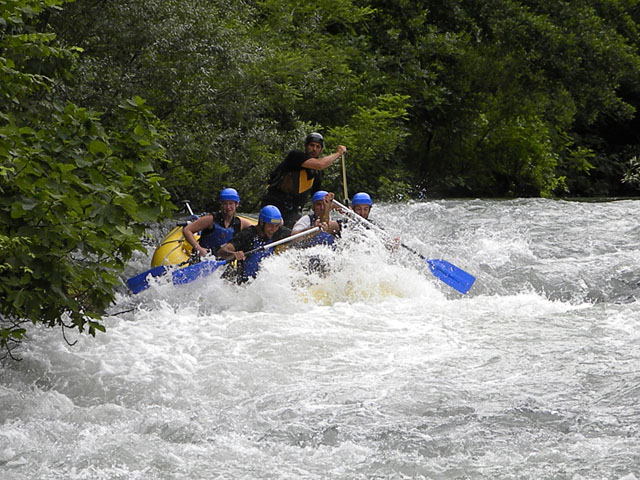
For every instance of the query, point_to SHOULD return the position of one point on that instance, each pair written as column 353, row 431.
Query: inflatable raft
column 174, row 248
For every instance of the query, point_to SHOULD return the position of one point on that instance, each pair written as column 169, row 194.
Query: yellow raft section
column 174, row 248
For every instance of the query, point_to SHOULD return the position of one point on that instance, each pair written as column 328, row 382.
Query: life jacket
column 322, row 238
column 297, row 183
column 252, row 262
column 294, row 183
column 312, row 218
column 217, row 235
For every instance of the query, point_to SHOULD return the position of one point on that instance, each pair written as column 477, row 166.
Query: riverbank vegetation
column 449, row 98
column 111, row 110
column 77, row 187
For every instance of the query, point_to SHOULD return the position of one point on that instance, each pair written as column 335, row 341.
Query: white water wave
column 375, row 369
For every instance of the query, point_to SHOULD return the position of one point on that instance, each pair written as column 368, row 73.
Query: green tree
column 238, row 83
column 75, row 196
column 503, row 97
column 320, row 61
column 375, row 134
column 545, row 77
column 197, row 65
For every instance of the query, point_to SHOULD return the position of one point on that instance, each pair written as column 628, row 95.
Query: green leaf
column 97, row 146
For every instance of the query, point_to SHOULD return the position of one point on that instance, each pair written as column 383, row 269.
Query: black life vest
column 294, row 183
column 217, row 235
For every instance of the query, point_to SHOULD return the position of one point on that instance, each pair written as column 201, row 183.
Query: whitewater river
column 376, row 371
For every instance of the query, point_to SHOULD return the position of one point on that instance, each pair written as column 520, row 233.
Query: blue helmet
column 229, row 194
column 270, row 214
column 314, row 137
column 361, row 199
column 319, row 195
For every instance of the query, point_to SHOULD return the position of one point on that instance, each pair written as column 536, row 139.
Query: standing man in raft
column 298, row 176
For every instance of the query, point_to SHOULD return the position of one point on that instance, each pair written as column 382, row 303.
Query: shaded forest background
column 112, row 112
column 447, row 98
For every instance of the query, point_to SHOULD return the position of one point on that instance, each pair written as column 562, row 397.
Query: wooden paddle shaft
column 344, row 180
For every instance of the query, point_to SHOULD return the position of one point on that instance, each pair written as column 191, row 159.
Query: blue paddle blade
column 139, row 283
column 193, row 272
column 451, row 275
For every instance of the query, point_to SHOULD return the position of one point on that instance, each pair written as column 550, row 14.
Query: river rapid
column 377, row 370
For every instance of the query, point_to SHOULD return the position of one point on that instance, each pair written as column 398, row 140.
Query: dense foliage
column 75, row 194
column 455, row 97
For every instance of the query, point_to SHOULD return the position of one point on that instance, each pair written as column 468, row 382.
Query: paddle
column 447, row 272
column 206, row 267
column 139, row 283
column 344, row 180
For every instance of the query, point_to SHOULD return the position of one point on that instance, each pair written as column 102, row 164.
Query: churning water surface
column 376, row 370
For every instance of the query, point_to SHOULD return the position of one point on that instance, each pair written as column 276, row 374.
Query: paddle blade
column 451, row 275
column 193, row 272
column 139, row 283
